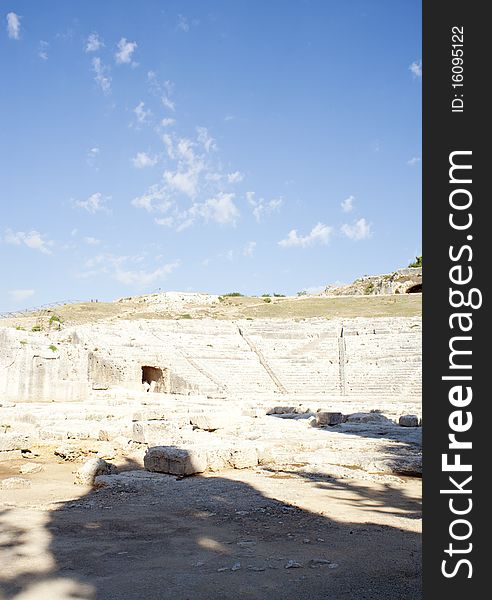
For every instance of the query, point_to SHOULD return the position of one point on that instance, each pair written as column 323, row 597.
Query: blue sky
column 206, row 145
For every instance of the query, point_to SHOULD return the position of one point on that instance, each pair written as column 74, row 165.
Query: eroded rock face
column 403, row 281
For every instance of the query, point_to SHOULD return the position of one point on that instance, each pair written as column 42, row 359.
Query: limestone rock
column 362, row 417
column 328, row 418
column 209, row 421
column 15, row 483
column 14, row 441
column 69, row 452
column 92, row 468
column 31, row 468
column 243, row 457
column 408, row 421
column 175, row 461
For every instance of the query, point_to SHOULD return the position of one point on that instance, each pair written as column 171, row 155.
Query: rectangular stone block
column 175, row 461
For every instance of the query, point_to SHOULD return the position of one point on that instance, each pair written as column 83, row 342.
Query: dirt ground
column 228, row 308
column 239, row 534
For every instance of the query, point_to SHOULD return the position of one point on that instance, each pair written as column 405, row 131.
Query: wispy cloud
column 13, row 25
column 168, row 122
column 20, row 295
column 91, row 241
column 43, row 50
column 413, row 162
column 92, row 156
column 319, row 234
column 348, row 204
column 155, row 199
column 235, row 177
column 221, row 209
column 183, row 24
column 94, row 203
column 262, row 207
column 206, row 139
column 93, row 43
column 163, row 90
column 124, row 269
column 141, row 113
column 141, row 278
column 249, row 249
column 32, row 239
column 123, row 55
column 360, row 230
column 101, row 75
column 142, row 160
column 416, row 68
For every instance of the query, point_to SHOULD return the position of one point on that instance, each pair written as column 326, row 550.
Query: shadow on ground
column 156, row 537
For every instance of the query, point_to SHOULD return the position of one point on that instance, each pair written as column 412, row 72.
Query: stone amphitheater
column 128, row 397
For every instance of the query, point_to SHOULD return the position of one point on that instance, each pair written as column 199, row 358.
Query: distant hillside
column 403, row 281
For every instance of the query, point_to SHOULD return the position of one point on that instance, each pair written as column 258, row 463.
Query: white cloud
column 167, row 122
column 164, row 90
column 183, row 24
column 143, row 160
column 94, row 203
column 122, row 269
column 235, row 177
column 167, row 101
column 101, row 75
column 319, row 234
column 249, row 249
column 166, row 222
column 141, row 278
column 13, row 25
column 206, row 139
column 413, row 161
column 360, row 230
column 93, row 43
column 154, row 200
column 185, row 182
column 416, row 68
column 20, row 295
column 142, row 114
column 125, row 51
column 348, row 204
column 43, row 50
column 92, row 241
column 261, row 207
column 194, row 189
column 92, row 155
column 32, row 239
column 220, row 209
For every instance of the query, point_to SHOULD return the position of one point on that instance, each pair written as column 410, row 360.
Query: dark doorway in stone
column 153, row 379
column 415, row 289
